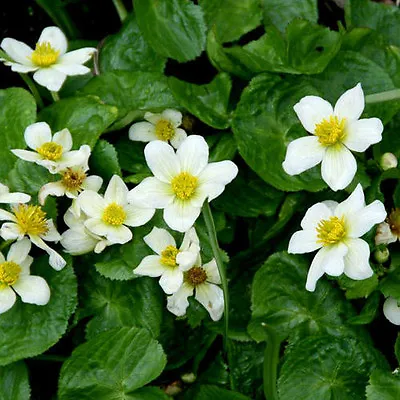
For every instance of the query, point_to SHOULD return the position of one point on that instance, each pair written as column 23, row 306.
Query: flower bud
column 391, row 310
column 190, row 377
column 382, row 256
column 388, row 161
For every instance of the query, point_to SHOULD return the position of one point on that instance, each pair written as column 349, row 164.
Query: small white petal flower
column 182, row 181
column 50, row 61
column 73, row 180
column 51, row 152
column 389, row 231
column 110, row 216
column 391, row 310
column 9, row 198
column 30, row 220
column 203, row 281
column 336, row 131
column 162, row 126
column 170, row 262
column 335, row 229
column 15, row 277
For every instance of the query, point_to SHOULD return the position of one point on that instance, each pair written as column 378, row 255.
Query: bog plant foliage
column 155, row 231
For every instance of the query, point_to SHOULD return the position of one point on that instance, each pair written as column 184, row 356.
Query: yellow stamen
column 114, row 214
column 195, row 276
column 165, row 130
column 331, row 131
column 50, row 151
column 184, row 185
column 31, row 220
column 168, row 256
column 73, row 179
column 331, row 231
column 44, row 55
column 9, row 273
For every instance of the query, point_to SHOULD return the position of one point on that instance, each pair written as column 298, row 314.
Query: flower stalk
column 383, row 96
column 55, row 96
column 32, row 87
column 271, row 359
column 121, row 10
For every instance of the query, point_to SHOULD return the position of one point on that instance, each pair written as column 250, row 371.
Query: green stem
column 5, row 244
column 383, row 96
column 212, row 235
column 55, row 96
column 271, row 359
column 32, row 87
column 121, row 10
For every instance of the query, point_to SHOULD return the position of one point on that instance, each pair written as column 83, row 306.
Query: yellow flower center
column 195, row 276
column 31, row 220
column 9, row 273
column 50, row 151
column 44, row 55
column 331, row 231
column 168, row 256
column 165, row 130
column 114, row 214
column 184, row 185
column 330, row 131
column 72, row 180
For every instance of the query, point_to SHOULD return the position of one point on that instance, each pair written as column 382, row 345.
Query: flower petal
column 27, row 155
column 171, row 280
column 333, row 263
column 150, row 266
column 23, row 69
column 180, row 216
column 116, row 191
column 92, row 203
column 363, row 133
column 304, row 241
column 77, row 241
column 178, row 138
column 338, row 167
column 193, row 154
column 356, row 261
column 159, row 239
column 136, row 216
column 303, row 154
column 51, row 189
column 178, row 302
column 212, row 298
column 350, row 104
column 222, row 172
column 79, row 56
column 384, row 234
column 352, row 205
column 52, row 234
column 71, row 69
column 55, row 260
column 316, row 270
column 14, row 198
column 314, row 215
column 391, row 310
column 19, row 251
column 114, row 234
column 10, row 231
column 187, row 259
column 7, row 299
column 151, row 193
column 172, row 115
column 142, row 132
column 311, row 110
column 55, row 37
column 37, row 134
column 92, row 182
column 153, row 118
column 211, row 269
column 6, row 216
column 64, row 139
column 50, row 78
column 18, row 51
column 33, row 290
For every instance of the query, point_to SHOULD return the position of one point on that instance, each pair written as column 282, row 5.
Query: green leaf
column 358, row 289
column 326, row 368
column 390, row 284
column 112, row 365
column 209, row 103
column 17, row 111
column 148, row 393
column 207, row 392
column 230, row 19
column 14, row 382
column 104, row 160
column 112, row 304
column 27, row 330
column 264, row 124
column 174, row 28
column 279, row 299
column 86, row 117
column 128, row 50
column 223, row 148
column 281, row 13
column 131, row 156
column 368, row 312
column 383, row 386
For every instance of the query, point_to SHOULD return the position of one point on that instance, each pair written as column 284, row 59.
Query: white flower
column 16, row 197
column 51, row 152
column 170, row 262
column 389, row 232
column 336, row 131
column 15, row 277
column 162, row 126
column 335, row 229
column 78, row 239
column 30, row 220
column 74, row 179
column 202, row 280
column 50, row 61
column 391, row 310
column 182, row 181
column 110, row 216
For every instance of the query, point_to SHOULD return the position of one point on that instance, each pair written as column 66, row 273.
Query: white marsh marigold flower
column 51, row 152
column 15, row 277
column 335, row 229
column 50, row 60
column 335, row 132
column 182, row 181
column 162, row 126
